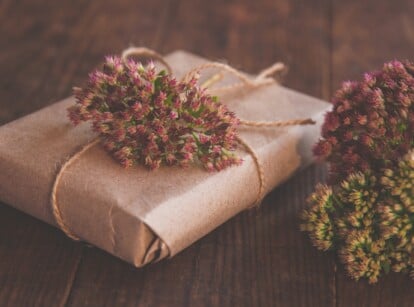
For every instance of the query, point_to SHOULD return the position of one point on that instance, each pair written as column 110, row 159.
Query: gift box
column 139, row 215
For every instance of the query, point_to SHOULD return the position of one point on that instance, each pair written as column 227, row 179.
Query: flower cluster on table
column 367, row 213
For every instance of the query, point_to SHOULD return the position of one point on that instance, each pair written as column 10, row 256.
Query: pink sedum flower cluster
column 147, row 117
column 371, row 125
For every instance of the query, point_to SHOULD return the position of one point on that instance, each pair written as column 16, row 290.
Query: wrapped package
column 139, row 215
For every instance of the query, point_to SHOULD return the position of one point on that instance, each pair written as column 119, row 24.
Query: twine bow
column 262, row 79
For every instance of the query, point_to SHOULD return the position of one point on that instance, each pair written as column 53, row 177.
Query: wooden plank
column 35, row 57
column 367, row 34
column 259, row 258
column 37, row 263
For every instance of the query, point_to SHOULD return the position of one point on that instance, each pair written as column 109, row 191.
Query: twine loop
column 143, row 52
column 263, row 78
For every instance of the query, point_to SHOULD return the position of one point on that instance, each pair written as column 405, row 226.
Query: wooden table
column 259, row 258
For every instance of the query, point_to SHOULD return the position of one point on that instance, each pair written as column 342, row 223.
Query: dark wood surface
column 259, row 258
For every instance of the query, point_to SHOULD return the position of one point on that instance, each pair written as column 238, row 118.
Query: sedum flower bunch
column 366, row 215
column 149, row 118
column 368, row 220
column 371, row 125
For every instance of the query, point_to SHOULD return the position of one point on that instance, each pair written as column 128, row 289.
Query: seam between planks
column 68, row 290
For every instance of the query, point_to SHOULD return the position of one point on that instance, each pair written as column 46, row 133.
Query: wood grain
column 259, row 258
column 37, row 264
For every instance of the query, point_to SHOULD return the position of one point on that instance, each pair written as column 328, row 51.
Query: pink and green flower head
column 147, row 117
column 371, row 125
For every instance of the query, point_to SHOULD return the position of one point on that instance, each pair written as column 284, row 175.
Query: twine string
column 263, row 78
column 57, row 213
column 259, row 169
column 145, row 53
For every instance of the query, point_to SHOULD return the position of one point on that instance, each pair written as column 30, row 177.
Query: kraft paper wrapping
column 138, row 215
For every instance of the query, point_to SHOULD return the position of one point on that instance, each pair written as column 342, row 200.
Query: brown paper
column 138, row 215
